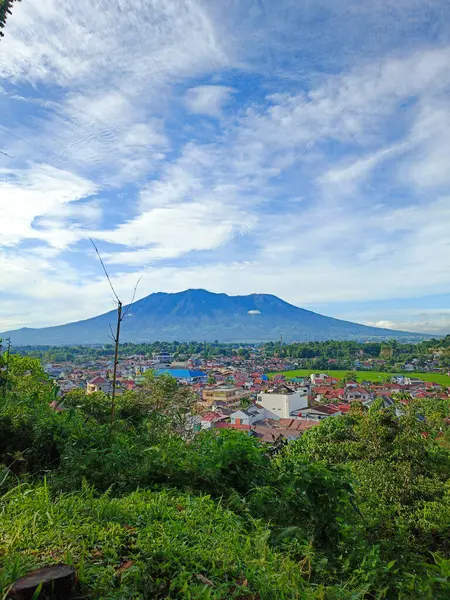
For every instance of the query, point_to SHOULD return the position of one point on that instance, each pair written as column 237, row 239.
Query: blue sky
column 299, row 148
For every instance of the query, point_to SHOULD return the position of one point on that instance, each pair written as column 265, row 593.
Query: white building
column 317, row 377
column 282, row 402
column 162, row 359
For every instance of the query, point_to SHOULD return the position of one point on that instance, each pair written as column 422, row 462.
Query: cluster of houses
column 236, row 394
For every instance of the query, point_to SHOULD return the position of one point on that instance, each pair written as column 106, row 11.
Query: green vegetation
column 384, row 357
column 374, row 376
column 356, row 509
column 144, row 545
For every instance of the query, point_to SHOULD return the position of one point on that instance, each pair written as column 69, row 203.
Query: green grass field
column 374, row 376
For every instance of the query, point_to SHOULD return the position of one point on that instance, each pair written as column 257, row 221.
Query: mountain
column 204, row 316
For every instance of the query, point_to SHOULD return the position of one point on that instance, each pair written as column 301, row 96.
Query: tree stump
column 58, row 583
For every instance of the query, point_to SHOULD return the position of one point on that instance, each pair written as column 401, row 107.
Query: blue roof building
column 185, row 375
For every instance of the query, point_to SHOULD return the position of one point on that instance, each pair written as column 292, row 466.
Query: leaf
column 37, row 592
column 204, row 580
column 124, row 566
column 391, row 564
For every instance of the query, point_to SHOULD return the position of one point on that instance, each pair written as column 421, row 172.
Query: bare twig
column 132, row 299
column 4, row 154
column 112, row 333
column 105, row 271
column 116, row 337
column 116, row 360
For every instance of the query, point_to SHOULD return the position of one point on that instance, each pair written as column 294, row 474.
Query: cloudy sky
column 298, row 147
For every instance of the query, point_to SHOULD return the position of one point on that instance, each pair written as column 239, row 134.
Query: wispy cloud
column 40, row 191
column 208, row 99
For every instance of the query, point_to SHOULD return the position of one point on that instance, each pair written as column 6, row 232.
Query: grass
column 375, row 376
column 144, row 545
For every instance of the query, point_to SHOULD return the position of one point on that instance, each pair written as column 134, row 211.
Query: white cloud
column 40, row 191
column 172, row 231
column 156, row 38
column 208, row 99
column 433, row 322
column 113, row 87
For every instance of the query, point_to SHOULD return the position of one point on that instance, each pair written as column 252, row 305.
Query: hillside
column 143, row 507
column 204, row 316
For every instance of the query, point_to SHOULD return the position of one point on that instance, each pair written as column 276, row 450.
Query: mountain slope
column 204, row 316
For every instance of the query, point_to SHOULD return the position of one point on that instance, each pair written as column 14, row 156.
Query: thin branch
column 105, row 271
column 113, row 299
column 132, row 299
column 115, row 338
column 112, row 333
column 4, row 154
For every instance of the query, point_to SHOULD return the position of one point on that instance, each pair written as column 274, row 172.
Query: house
column 140, row 369
column 413, row 381
column 406, row 380
column 282, row 401
column 356, row 393
column 318, row 413
column 290, row 429
column 219, row 406
column 295, row 425
column 386, row 402
column 99, row 384
column 248, row 416
column 53, row 371
column 127, row 384
column 209, row 419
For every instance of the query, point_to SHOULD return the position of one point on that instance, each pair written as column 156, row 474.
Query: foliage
column 357, row 508
column 146, row 545
column 399, row 472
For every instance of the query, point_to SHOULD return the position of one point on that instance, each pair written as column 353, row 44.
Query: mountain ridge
column 197, row 314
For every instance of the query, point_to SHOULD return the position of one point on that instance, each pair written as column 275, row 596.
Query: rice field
column 375, row 376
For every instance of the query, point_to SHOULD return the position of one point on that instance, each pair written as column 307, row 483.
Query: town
column 259, row 394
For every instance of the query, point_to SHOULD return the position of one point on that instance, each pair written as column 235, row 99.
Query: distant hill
column 204, row 316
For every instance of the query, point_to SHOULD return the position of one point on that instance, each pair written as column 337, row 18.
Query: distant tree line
column 315, row 355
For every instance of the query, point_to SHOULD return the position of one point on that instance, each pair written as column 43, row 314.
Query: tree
column 349, row 376
column 245, row 402
column 5, row 10
column 168, row 402
column 26, row 377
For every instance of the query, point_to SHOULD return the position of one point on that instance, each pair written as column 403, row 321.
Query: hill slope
column 204, row 316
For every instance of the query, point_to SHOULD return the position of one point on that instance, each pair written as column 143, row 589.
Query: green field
column 375, row 376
